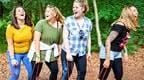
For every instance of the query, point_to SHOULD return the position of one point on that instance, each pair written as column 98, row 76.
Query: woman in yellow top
column 19, row 36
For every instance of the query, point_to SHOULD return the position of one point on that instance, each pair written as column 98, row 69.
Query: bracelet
column 38, row 55
column 107, row 56
column 12, row 57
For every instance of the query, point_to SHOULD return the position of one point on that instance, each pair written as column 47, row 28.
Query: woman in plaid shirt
column 77, row 41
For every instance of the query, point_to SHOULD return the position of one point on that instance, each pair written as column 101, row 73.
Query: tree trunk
column 20, row 2
column 41, row 14
column 1, row 10
column 97, row 23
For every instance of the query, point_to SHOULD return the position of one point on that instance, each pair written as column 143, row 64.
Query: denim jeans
column 15, row 70
column 67, row 66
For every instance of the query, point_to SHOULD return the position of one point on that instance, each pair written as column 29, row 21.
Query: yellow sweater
column 21, row 37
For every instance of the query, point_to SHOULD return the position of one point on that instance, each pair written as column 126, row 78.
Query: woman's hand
column 14, row 62
column 106, row 63
column 125, row 58
column 88, row 56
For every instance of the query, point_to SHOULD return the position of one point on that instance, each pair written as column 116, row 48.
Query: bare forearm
column 66, row 41
column 59, row 48
column 111, row 37
column 37, row 41
column 11, row 50
column 37, row 46
column 125, row 51
column 10, row 47
column 66, row 45
column 89, row 44
column 108, row 46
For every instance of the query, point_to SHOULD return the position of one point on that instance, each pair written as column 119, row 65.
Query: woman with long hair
column 48, row 32
column 111, row 54
column 19, row 36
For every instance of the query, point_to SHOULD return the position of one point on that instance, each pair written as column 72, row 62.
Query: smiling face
column 78, row 9
column 50, row 13
column 134, row 11
column 129, row 16
column 20, row 13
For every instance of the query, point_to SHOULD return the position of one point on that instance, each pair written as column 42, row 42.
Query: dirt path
column 133, row 70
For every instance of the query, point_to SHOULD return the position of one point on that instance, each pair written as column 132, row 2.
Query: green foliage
column 108, row 10
column 3, row 45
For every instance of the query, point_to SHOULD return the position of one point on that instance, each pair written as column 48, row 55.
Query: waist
column 21, row 49
column 21, row 44
column 116, row 47
column 23, row 53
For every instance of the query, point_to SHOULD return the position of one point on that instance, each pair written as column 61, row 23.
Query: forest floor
column 133, row 69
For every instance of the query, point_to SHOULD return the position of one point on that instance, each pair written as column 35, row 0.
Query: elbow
column 107, row 43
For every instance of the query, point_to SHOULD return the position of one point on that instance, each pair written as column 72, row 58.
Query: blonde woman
column 110, row 55
column 48, row 32
column 77, row 41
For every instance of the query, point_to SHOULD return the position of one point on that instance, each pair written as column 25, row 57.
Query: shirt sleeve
column 9, row 32
column 117, row 28
column 39, row 26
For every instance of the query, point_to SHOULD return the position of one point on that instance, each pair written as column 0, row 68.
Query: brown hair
column 14, row 19
column 59, row 16
column 130, row 21
column 84, row 3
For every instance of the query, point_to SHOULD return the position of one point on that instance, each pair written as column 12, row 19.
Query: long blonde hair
column 130, row 21
column 84, row 3
column 59, row 16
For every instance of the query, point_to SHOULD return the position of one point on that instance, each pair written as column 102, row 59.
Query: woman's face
column 20, row 13
column 78, row 9
column 134, row 11
column 50, row 13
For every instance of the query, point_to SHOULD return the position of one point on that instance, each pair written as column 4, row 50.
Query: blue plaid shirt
column 78, row 42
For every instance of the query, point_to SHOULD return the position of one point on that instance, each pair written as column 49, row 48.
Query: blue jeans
column 67, row 66
column 15, row 70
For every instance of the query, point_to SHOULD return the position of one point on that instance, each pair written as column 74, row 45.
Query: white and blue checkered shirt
column 78, row 42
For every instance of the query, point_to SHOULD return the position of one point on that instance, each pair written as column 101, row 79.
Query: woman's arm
column 125, row 51
column 66, row 43
column 37, row 43
column 10, row 47
column 89, row 46
column 59, row 49
column 9, row 38
column 110, row 38
column 125, row 54
column 65, row 40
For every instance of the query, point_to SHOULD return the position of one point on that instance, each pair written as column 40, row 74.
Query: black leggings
column 117, row 67
column 53, row 66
